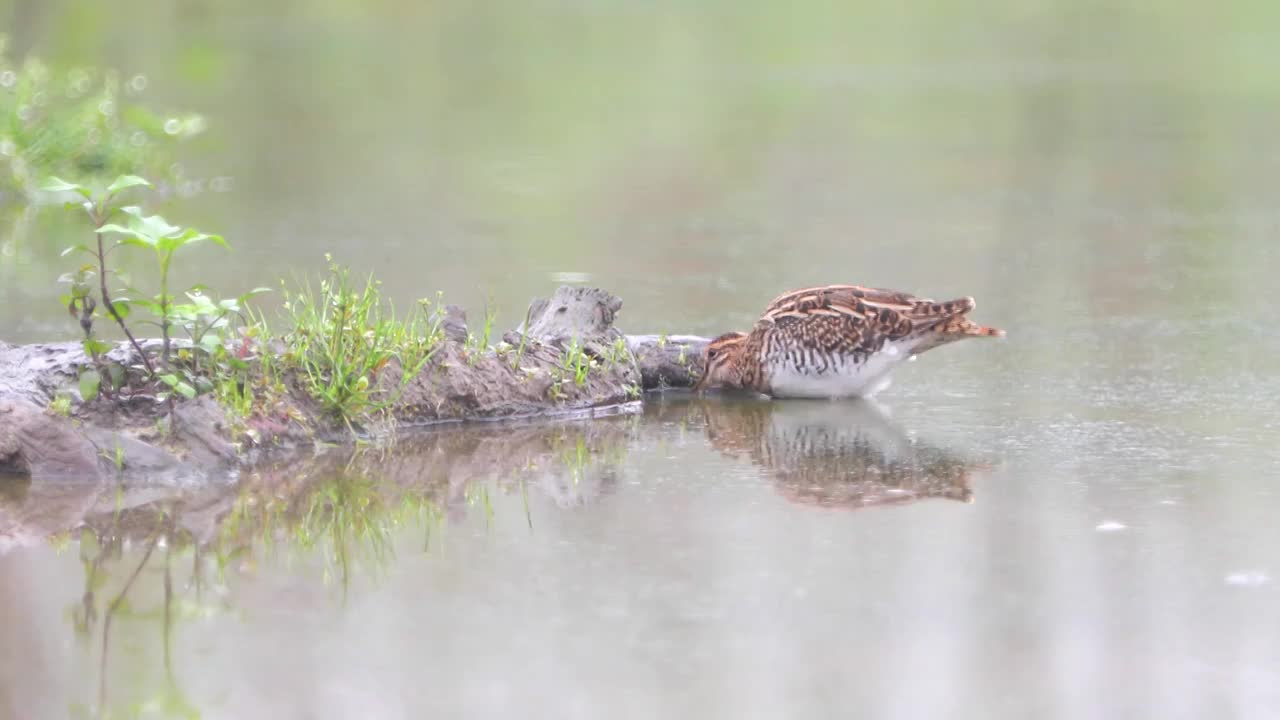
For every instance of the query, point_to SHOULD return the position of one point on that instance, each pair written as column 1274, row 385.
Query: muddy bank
column 133, row 435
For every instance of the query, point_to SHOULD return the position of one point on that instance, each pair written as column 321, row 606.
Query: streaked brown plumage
column 834, row 341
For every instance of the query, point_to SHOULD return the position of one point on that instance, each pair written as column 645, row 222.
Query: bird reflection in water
column 843, row 455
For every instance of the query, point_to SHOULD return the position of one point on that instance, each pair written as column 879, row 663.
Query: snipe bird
column 834, row 341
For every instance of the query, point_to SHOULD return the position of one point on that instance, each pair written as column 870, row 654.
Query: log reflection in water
column 446, row 470
column 341, row 507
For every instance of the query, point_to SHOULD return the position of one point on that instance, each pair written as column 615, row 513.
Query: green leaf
column 129, row 233
column 139, row 241
column 56, row 184
column 167, row 245
column 115, row 371
column 171, row 242
column 90, row 380
column 94, row 347
column 210, row 343
column 125, row 182
column 81, row 248
column 123, row 308
column 180, row 385
column 153, row 226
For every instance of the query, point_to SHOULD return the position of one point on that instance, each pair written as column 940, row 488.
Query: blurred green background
column 696, row 158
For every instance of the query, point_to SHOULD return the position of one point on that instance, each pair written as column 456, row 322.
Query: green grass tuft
column 343, row 336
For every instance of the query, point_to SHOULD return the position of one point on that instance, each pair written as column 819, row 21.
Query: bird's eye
column 711, row 354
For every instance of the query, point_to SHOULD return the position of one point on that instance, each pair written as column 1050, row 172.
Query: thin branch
column 111, row 308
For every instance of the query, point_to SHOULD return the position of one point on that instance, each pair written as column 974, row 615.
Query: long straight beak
column 700, row 385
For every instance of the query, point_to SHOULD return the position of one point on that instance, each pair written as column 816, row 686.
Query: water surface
column 722, row 557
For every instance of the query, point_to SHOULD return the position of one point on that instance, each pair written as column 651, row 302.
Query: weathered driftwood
column 108, row 438
column 668, row 361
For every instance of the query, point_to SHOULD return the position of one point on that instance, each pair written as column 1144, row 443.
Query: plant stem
column 111, row 308
column 164, row 312
column 112, row 609
column 168, row 612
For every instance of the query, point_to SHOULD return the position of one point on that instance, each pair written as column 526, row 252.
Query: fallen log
column 528, row 375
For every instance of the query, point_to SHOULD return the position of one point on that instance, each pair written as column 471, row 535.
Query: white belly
column 841, row 379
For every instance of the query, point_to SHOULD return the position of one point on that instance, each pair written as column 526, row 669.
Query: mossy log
column 526, row 376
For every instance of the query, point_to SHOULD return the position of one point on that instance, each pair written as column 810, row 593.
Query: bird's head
column 722, row 362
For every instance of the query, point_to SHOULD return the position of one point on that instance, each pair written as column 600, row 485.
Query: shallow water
column 1076, row 522
column 721, row 557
